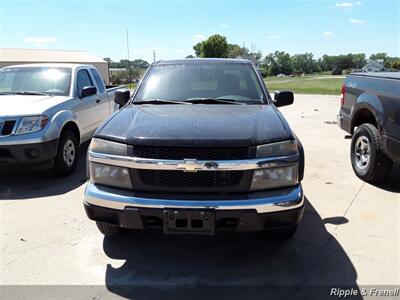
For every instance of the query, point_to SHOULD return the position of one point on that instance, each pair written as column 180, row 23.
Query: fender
column 58, row 122
column 367, row 102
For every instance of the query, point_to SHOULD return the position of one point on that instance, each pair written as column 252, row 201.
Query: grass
column 323, row 85
column 320, row 84
column 131, row 86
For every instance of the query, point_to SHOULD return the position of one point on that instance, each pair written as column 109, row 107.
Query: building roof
column 41, row 55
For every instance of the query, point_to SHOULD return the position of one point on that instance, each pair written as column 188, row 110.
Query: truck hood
column 22, row 105
column 195, row 125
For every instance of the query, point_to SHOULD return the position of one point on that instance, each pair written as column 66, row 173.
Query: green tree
column 197, row 49
column 304, row 63
column 215, row 46
column 140, row 63
column 189, row 56
column 359, row 60
column 396, row 65
column 383, row 56
column 235, row 50
column 278, row 62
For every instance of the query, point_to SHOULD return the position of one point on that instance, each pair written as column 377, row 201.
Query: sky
column 171, row 28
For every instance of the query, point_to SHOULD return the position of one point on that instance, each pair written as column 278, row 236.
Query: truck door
column 87, row 113
column 103, row 106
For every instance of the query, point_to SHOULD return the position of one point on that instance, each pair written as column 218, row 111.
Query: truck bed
column 388, row 75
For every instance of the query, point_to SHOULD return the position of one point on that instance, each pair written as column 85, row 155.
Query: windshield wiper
column 32, row 93
column 158, row 101
column 213, row 101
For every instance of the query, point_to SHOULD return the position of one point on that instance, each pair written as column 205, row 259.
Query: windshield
column 190, row 81
column 31, row 80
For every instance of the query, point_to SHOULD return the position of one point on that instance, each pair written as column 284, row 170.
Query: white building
column 17, row 56
column 374, row 65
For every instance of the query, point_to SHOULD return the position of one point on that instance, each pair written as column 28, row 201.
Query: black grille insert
column 7, row 127
column 203, row 179
column 200, row 153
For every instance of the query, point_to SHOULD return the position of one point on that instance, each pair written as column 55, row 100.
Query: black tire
column 108, row 229
column 285, row 234
column 61, row 166
column 378, row 165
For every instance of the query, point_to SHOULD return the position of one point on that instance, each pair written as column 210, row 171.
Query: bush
column 337, row 71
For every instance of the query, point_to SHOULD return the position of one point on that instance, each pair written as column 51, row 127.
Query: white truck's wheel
column 67, row 154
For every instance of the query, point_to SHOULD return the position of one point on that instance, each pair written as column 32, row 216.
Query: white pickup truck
column 47, row 111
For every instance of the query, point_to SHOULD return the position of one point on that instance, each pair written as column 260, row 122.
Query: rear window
column 99, row 81
column 201, row 80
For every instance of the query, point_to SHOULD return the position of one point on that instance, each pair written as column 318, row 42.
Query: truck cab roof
column 48, row 65
column 204, row 60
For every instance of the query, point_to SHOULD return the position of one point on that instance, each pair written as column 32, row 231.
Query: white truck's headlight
column 107, row 174
column 276, row 177
column 285, row 148
column 31, row 124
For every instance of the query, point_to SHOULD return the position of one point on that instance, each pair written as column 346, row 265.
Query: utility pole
column 154, row 55
column 127, row 49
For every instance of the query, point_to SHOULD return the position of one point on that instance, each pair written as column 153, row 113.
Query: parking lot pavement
column 349, row 235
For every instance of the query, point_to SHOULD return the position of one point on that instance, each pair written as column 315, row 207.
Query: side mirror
column 122, row 96
column 88, row 91
column 283, row 98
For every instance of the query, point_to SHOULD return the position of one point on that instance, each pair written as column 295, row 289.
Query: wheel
column 108, row 229
column 285, row 234
column 67, row 154
column 368, row 161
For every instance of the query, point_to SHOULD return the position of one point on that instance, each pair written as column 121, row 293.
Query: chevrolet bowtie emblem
column 190, row 165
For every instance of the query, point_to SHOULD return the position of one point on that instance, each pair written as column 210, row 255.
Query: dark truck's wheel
column 67, row 154
column 368, row 161
column 108, row 229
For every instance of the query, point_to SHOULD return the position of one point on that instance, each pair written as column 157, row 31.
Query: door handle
column 98, row 100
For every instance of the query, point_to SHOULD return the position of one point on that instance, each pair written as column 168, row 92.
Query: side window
column 82, row 80
column 99, row 81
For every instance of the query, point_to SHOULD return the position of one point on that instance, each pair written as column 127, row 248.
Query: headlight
column 107, row 174
column 108, row 147
column 278, row 149
column 110, row 175
column 276, row 177
column 31, row 124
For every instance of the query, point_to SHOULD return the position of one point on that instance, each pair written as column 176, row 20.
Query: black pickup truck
column 199, row 148
column 370, row 111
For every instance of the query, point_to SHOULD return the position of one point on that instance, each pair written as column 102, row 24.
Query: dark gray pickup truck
column 370, row 111
column 199, row 148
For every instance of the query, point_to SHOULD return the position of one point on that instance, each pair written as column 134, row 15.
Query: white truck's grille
column 7, row 127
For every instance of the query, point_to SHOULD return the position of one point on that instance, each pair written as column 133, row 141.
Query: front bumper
column 238, row 212
column 36, row 155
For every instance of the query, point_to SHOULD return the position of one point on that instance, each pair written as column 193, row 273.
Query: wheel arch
column 70, row 125
column 363, row 116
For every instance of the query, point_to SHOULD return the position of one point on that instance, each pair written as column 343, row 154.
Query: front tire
column 67, row 154
column 369, row 162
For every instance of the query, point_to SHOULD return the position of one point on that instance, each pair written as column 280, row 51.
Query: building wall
column 102, row 67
